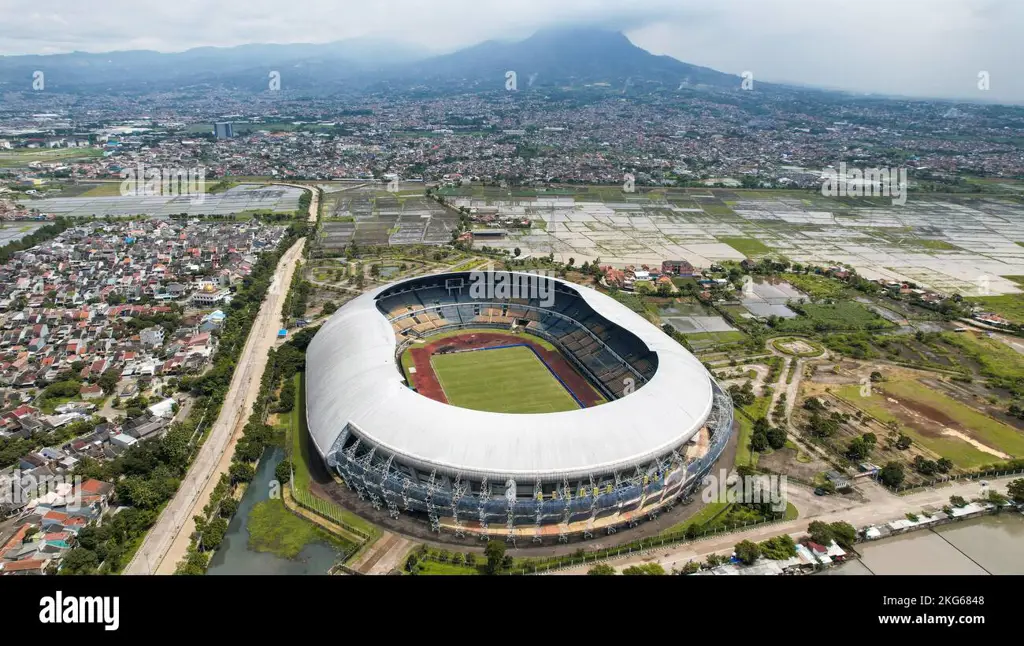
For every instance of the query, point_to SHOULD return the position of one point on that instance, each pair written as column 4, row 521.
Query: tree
column 647, row 569
column 495, row 552
column 779, row 548
column 572, row 261
column 904, row 442
column 213, row 536
column 601, row 569
column 283, row 471
column 1016, row 491
column 691, row 567
column 330, row 307
column 471, row 559
column 777, row 437
column 241, row 472
column 747, row 552
column 876, row 376
column 844, row 533
column 925, row 466
column 759, row 442
column 944, row 465
column 516, row 252
column 821, row 533
column 892, row 474
column 195, row 563
column 79, row 561
column 858, row 449
column 958, row 501
column 228, row 507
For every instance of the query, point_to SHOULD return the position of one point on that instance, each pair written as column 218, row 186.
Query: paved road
column 168, row 540
column 882, row 507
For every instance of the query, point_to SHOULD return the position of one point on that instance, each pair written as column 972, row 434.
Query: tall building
column 223, row 130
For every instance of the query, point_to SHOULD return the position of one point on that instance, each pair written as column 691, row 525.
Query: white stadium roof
column 352, row 378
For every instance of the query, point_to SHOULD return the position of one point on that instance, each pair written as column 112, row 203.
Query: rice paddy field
column 501, row 380
column 952, row 244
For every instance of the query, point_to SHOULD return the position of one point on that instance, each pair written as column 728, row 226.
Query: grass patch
column 962, row 454
column 935, row 245
column 299, row 454
column 732, row 336
column 25, row 156
column 997, row 359
column 274, row 529
column 987, row 430
column 744, row 455
column 780, row 342
column 844, row 315
column 430, row 567
column 1009, row 306
column 632, row 301
column 299, row 448
column 747, row 246
column 503, row 380
column 407, row 363
column 815, row 286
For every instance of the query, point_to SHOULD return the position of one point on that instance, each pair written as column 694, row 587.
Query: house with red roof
column 28, row 566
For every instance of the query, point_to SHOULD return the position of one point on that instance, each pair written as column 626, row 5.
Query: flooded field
column 238, row 199
column 374, row 217
column 987, row 545
column 944, row 245
column 693, row 318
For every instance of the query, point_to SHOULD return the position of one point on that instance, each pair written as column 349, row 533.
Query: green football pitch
column 503, row 380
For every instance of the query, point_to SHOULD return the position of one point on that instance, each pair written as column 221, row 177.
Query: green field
column 430, row 567
column 844, row 315
column 274, row 529
column 25, row 156
column 749, row 247
column 1009, row 306
column 716, row 337
column 962, row 453
column 505, row 380
column 987, row 430
column 997, row 359
column 745, row 418
column 816, row 286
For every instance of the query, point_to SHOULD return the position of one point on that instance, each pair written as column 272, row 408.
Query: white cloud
column 912, row 47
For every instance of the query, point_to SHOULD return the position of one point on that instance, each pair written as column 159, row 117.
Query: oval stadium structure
column 637, row 420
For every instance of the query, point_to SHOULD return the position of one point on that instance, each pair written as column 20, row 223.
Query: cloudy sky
column 903, row 47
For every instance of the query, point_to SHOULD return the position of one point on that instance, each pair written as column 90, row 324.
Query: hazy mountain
column 548, row 58
column 560, row 56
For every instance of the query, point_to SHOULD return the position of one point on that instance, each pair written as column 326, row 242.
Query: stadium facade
column 664, row 425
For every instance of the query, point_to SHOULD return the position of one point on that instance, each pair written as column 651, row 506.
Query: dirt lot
column 795, row 464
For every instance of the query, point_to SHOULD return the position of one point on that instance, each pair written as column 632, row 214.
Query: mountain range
column 548, row 58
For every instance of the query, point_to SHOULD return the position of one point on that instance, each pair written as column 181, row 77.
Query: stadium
column 501, row 404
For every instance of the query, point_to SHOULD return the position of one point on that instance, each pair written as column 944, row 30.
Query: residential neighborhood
column 98, row 326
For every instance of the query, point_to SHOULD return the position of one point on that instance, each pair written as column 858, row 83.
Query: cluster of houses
column 628, row 277
column 66, row 305
column 49, row 525
column 810, row 557
column 109, row 310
